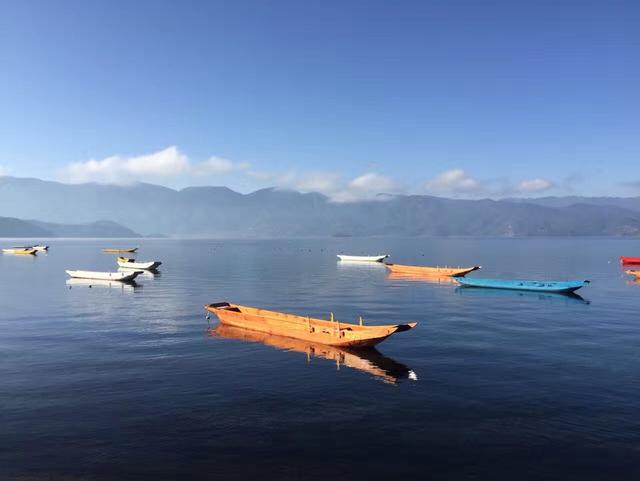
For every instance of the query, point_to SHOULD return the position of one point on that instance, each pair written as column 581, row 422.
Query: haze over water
column 127, row 383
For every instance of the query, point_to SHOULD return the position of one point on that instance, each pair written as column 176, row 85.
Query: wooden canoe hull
column 127, row 263
column 431, row 271
column 306, row 328
column 20, row 251
column 115, row 250
column 104, row 276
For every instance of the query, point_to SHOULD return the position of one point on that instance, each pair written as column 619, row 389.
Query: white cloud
column 169, row 162
column 367, row 186
column 533, row 185
column 3, row 170
column 218, row 165
column 453, row 182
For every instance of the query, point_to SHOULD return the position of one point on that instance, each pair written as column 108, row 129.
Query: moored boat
column 347, row 258
column 330, row 332
column 40, row 248
column 23, row 251
column 369, row 360
column 115, row 250
column 129, row 263
column 432, row 271
column 629, row 260
column 105, row 276
column 524, row 285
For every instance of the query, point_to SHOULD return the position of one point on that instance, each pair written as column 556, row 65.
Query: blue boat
column 537, row 286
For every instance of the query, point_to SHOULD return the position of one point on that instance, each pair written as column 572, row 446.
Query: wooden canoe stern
column 406, row 327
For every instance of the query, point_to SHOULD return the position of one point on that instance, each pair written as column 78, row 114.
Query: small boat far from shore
column 115, row 250
column 21, row 251
column 348, row 258
column 105, row 276
column 129, row 263
column 432, row 271
column 629, row 260
column 523, row 285
column 330, row 332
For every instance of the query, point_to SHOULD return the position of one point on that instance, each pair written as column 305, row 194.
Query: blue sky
column 458, row 98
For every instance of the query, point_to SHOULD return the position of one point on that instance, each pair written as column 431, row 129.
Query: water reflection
column 347, row 264
column 144, row 274
column 421, row 278
column 369, row 360
column 90, row 283
column 543, row 296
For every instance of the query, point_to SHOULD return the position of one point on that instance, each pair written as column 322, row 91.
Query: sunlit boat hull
column 332, row 333
column 523, row 285
column 633, row 272
column 380, row 258
column 127, row 263
column 20, row 251
column 111, row 250
column 431, row 271
column 105, row 276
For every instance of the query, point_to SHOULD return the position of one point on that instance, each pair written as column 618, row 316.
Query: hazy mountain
column 219, row 211
column 631, row 203
column 11, row 227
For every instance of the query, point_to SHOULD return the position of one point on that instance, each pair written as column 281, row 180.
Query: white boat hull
column 40, row 248
column 343, row 257
column 105, row 276
column 19, row 250
column 139, row 265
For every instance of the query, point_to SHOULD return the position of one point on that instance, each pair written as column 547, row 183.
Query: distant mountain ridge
column 11, row 227
column 221, row 212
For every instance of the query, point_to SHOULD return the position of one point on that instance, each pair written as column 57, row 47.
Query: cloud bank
column 458, row 183
column 166, row 163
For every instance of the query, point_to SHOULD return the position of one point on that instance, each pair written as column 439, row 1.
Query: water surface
column 102, row 383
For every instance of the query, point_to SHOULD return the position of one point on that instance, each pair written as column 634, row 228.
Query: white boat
column 343, row 257
column 20, row 250
column 40, row 248
column 105, row 276
column 128, row 263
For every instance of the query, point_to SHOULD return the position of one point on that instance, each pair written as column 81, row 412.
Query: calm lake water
column 128, row 383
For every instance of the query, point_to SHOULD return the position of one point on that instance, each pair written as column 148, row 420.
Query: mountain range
column 220, row 212
column 11, row 227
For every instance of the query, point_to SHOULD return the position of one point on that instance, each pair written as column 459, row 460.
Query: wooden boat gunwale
column 115, row 250
column 335, row 333
column 106, row 276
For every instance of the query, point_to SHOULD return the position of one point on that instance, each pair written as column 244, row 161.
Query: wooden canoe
column 329, row 332
column 115, row 250
column 432, row 271
column 105, row 276
column 368, row 360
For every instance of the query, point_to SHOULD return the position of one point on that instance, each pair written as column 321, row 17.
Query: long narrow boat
column 128, row 263
column 21, row 251
column 522, row 285
column 633, row 272
column 369, row 360
column 629, row 260
column 40, row 248
column 105, row 276
column 115, row 250
column 432, row 271
column 330, row 332
column 347, row 258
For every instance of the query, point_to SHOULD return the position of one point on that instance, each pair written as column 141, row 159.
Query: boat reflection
column 421, row 278
column 90, row 283
column 543, row 296
column 346, row 264
column 369, row 360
